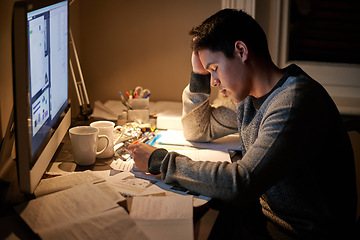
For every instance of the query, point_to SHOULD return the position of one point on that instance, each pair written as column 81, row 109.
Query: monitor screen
column 40, row 71
column 48, row 69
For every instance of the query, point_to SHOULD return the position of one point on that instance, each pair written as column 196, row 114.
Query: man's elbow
column 196, row 136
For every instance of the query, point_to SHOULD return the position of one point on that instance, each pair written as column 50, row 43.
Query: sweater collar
column 289, row 71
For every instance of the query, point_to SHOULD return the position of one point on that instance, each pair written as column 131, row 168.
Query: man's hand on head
column 197, row 65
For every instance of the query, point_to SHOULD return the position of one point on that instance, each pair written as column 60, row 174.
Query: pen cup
column 139, row 103
column 140, row 116
column 140, row 110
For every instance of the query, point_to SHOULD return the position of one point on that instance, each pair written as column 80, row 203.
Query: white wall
column 124, row 44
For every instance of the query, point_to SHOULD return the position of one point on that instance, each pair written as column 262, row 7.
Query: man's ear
column 241, row 50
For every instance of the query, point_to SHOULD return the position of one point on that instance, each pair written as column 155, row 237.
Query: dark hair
column 220, row 32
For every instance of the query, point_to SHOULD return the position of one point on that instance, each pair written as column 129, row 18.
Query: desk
column 12, row 225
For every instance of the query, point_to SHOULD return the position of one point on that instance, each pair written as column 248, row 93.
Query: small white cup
column 105, row 128
column 84, row 141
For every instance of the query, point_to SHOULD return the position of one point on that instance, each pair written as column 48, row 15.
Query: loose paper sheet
column 176, row 137
column 170, row 207
column 167, row 217
column 121, row 165
column 206, row 155
column 102, row 111
column 139, row 184
column 129, row 185
column 54, row 184
column 64, row 206
column 79, row 212
column 171, row 190
column 108, row 190
column 112, row 224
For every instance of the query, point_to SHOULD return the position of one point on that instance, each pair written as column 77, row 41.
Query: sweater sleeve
column 155, row 160
column 201, row 120
column 200, row 83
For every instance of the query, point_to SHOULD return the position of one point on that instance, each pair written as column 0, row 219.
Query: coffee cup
column 105, row 128
column 84, row 141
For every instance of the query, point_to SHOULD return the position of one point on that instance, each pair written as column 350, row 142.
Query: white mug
column 105, row 128
column 84, row 141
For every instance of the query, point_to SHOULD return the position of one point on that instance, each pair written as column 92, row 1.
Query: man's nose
column 214, row 82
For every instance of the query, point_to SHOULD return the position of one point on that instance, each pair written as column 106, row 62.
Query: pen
column 154, row 139
column 149, row 137
column 147, row 95
column 144, row 139
column 124, row 102
column 131, row 94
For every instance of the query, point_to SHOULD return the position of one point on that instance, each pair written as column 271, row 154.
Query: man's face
column 229, row 75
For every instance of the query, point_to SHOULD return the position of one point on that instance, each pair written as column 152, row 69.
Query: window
column 324, row 31
column 321, row 36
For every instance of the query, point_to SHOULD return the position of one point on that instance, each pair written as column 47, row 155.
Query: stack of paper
column 168, row 114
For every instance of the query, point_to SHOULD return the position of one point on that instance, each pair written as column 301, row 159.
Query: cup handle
column 115, row 128
column 107, row 144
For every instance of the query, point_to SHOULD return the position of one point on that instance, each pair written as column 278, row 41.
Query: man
column 297, row 160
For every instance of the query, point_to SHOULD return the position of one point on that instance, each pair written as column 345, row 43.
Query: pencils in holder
column 124, row 102
column 147, row 95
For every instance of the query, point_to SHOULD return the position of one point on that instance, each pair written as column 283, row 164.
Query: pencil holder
column 140, row 116
column 140, row 110
column 139, row 103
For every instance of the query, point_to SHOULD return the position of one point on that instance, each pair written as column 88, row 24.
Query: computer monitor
column 40, row 85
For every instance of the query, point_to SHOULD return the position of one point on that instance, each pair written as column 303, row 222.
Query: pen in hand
column 144, row 139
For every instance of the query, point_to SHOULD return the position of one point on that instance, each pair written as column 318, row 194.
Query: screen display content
column 48, row 71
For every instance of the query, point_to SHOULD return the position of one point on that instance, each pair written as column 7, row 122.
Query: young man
column 297, row 160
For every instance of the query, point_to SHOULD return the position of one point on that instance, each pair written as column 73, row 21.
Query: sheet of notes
column 169, row 217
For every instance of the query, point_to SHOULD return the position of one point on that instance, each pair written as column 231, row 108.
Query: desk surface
column 11, row 225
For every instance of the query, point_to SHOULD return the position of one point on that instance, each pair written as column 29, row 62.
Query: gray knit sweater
column 297, row 157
